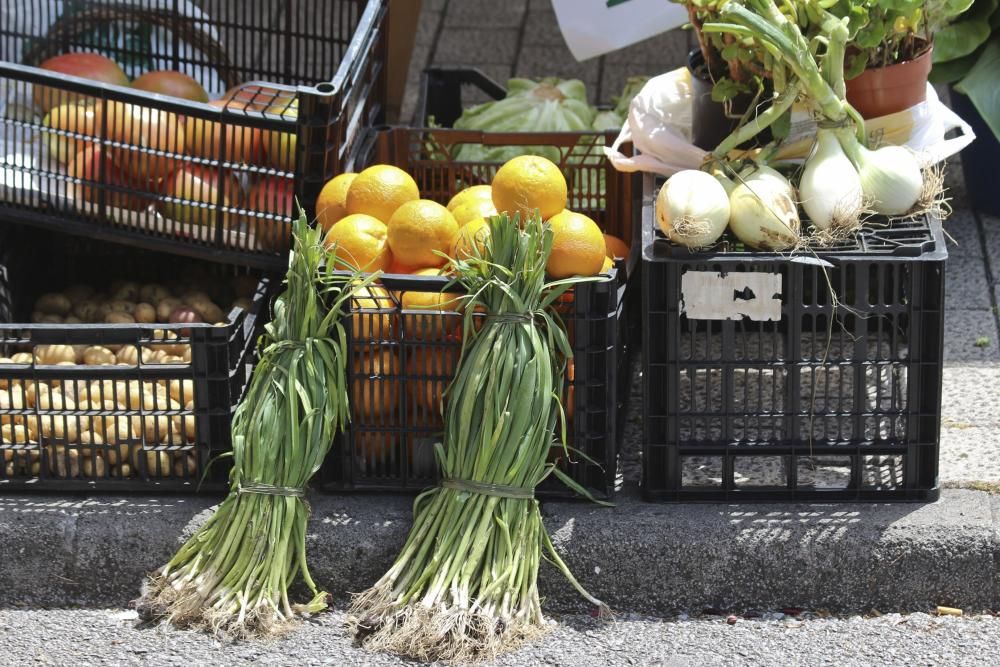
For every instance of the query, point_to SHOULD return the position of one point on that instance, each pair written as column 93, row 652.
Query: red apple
column 174, row 84
column 197, row 184
column 87, row 65
column 87, row 165
column 274, row 195
column 204, row 138
column 74, row 117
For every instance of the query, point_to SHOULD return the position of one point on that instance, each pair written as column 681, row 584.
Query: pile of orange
column 376, row 220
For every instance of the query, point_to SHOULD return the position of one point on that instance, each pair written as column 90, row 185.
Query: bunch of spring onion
column 464, row 586
column 232, row 576
column 841, row 178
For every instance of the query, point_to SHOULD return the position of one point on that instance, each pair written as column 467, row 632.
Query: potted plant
column 968, row 58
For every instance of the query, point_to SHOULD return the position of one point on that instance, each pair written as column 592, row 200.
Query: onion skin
column 890, row 176
column 830, row 187
column 692, row 209
column 764, row 214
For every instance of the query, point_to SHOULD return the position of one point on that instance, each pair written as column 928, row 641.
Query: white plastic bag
column 659, row 126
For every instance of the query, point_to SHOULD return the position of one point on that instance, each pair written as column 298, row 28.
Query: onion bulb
column 764, row 215
column 890, row 176
column 830, row 188
column 692, row 209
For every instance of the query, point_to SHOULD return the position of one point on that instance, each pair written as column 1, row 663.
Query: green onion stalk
column 232, row 576
column 465, row 585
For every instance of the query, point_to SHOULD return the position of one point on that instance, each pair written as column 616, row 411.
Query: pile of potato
column 108, row 444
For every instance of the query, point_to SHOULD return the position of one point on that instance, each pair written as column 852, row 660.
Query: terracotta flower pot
column 881, row 91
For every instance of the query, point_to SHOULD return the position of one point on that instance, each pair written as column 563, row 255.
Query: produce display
column 145, row 166
column 232, row 577
column 464, row 587
column 842, row 182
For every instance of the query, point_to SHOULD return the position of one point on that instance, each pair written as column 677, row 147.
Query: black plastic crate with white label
column 813, row 376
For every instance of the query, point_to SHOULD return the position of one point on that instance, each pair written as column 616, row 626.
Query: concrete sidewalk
column 638, row 557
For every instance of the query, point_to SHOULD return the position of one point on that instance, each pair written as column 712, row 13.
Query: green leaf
column 856, row 64
column 959, row 39
column 982, row 85
column 953, row 70
column 781, row 128
column 727, row 89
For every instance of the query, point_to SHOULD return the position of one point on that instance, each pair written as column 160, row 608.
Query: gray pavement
column 110, row 637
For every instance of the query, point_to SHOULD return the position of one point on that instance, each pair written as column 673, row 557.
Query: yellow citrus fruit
column 475, row 193
column 360, row 242
column 375, row 391
column 608, row 264
column 428, row 322
column 372, row 317
column 527, row 183
column 417, row 229
column 615, row 247
column 379, row 190
column 476, row 232
column 578, row 247
column 331, row 205
column 398, row 267
column 474, row 210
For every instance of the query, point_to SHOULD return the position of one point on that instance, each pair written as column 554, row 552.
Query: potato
column 122, row 470
column 125, row 292
column 181, row 391
column 121, row 306
column 61, row 427
column 144, row 313
column 242, row 302
column 207, row 311
column 153, row 293
column 54, row 304
column 129, row 355
column 97, row 355
column 166, row 306
column 15, row 435
column 157, row 356
column 14, row 399
column 187, row 425
column 52, row 399
column 6, row 360
column 117, row 430
column 157, row 464
column 51, row 355
column 91, row 438
column 103, row 310
column 157, row 430
column 185, row 465
column 118, row 317
column 42, row 318
column 72, row 319
column 22, row 358
column 77, row 293
column 66, row 462
column 86, row 310
column 192, row 295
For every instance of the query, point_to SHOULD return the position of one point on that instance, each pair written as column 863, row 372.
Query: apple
column 171, row 83
column 204, row 138
column 92, row 66
column 274, row 195
column 255, row 97
column 281, row 145
column 75, row 117
column 88, row 165
column 197, row 184
column 139, row 127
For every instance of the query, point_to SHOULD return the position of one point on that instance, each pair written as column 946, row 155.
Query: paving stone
column 961, row 330
column 969, row 454
column 482, row 13
column 962, row 234
column 542, row 29
column 966, row 285
column 457, row 46
column 421, row 54
column 614, row 77
column 427, row 28
column 667, row 50
column 991, row 230
column 970, row 397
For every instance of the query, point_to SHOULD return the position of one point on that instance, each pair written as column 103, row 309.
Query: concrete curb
column 646, row 558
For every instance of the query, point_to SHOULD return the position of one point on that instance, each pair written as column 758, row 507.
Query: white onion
column 830, row 187
column 692, row 209
column 890, row 176
column 763, row 212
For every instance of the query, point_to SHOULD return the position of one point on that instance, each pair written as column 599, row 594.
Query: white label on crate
column 710, row 295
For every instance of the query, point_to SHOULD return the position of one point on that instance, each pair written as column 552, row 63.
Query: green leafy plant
column 967, row 55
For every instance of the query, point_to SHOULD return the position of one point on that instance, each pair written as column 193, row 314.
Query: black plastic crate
column 306, row 79
column 394, row 452
column 155, row 415
column 813, row 376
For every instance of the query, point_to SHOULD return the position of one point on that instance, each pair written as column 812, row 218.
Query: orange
column 528, row 183
column 430, row 370
column 473, row 210
column 372, row 317
column 419, row 228
column 471, row 194
column 331, row 205
column 376, row 450
column 427, row 322
column 398, row 267
column 379, row 190
column 578, row 247
column 476, row 232
column 615, row 247
column 608, row 265
column 375, row 386
column 360, row 242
